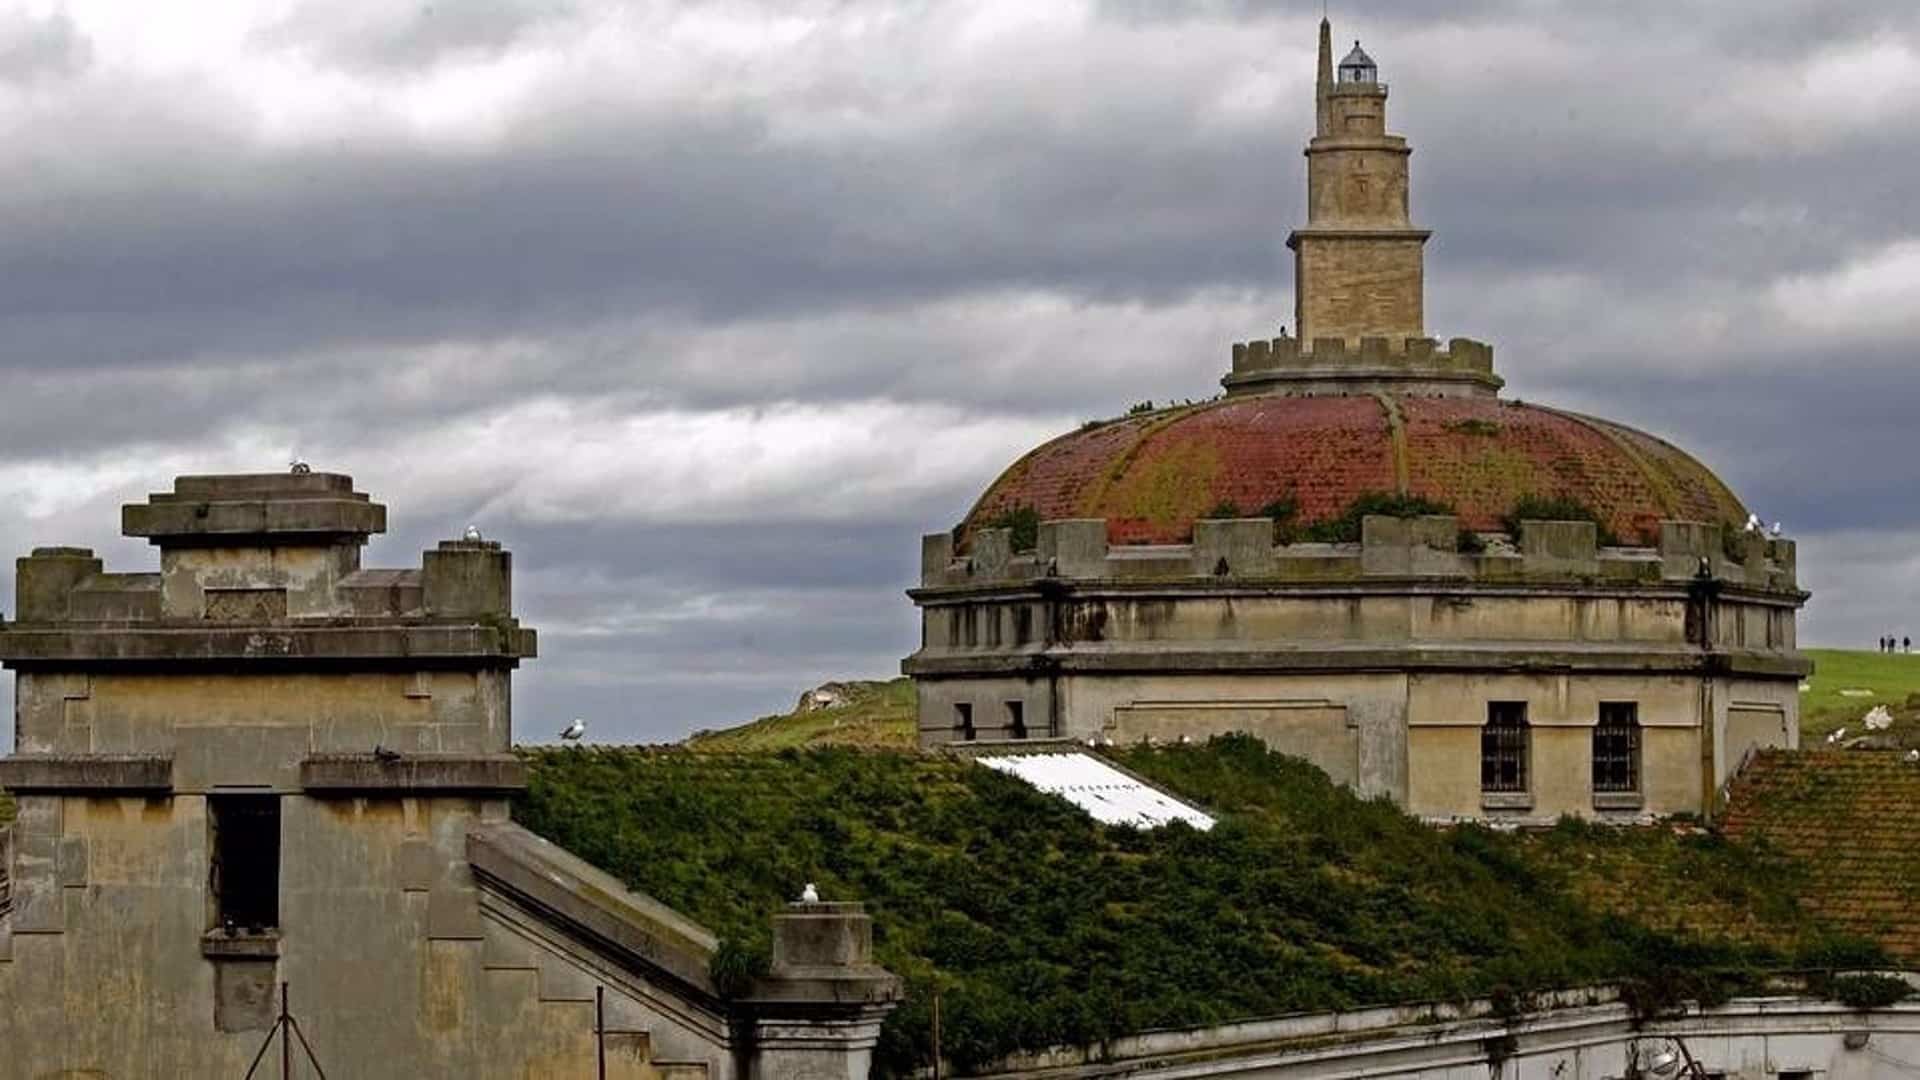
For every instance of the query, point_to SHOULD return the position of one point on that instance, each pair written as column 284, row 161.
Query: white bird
column 1913, row 756
column 1836, row 736
column 298, row 467
column 809, row 895
column 575, row 730
column 1753, row 523
column 1777, row 530
column 1878, row 718
column 472, row 533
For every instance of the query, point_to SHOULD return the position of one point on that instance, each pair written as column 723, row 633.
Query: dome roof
column 1358, row 58
column 1151, row 475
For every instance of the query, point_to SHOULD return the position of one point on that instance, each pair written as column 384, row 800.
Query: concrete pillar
column 817, row 1014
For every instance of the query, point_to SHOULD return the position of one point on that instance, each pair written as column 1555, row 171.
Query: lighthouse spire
column 1323, row 117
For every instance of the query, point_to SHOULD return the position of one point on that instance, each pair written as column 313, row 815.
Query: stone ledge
column 565, row 890
column 1218, row 657
column 67, row 644
column 344, row 774
column 221, row 945
column 176, row 524
column 87, row 772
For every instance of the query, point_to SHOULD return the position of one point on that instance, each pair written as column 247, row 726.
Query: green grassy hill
column 871, row 714
column 1893, row 680
column 1041, row 926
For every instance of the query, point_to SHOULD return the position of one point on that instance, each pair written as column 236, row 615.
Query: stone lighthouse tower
column 1358, row 268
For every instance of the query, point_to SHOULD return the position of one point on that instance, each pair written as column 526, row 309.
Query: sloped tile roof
column 1853, row 818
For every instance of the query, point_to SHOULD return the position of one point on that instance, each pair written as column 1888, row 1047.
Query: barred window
column 1616, row 747
column 963, row 721
column 1504, row 745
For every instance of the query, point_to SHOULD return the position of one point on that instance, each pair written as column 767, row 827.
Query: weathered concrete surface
column 499, row 774
column 105, row 773
column 419, row 932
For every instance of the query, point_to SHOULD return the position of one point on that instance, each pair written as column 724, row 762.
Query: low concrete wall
column 1578, row 1035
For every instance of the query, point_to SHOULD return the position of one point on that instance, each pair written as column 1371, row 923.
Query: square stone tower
column 1359, row 262
column 265, row 769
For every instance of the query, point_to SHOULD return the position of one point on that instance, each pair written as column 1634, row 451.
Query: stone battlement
column 1243, row 550
column 1329, row 365
column 258, row 566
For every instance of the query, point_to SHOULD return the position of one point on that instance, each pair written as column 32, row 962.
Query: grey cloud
column 182, row 282
column 34, row 47
column 402, row 38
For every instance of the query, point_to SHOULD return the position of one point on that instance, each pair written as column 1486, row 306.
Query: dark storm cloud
column 1642, row 204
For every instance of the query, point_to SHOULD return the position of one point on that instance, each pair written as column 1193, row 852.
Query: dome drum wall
column 1375, row 660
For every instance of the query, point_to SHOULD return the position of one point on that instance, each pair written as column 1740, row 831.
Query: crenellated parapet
column 264, row 566
column 1331, row 365
column 1430, row 547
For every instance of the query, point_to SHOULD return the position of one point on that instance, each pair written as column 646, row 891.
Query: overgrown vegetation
column 1869, row 990
column 1345, row 527
column 873, row 714
column 1475, row 426
column 1041, row 927
column 1556, row 508
column 1023, row 522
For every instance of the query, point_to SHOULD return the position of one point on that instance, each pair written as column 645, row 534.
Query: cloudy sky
column 709, row 308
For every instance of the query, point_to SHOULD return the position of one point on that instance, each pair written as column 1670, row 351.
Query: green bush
column 1345, row 528
column 1865, row 991
column 1023, row 522
column 1556, row 508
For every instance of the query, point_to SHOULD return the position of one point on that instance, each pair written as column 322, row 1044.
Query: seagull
column 1753, row 523
column 383, row 754
column 1836, row 736
column 298, row 467
column 1878, row 719
column 1913, row 756
column 472, row 533
column 809, row 895
column 574, row 730
column 1777, row 530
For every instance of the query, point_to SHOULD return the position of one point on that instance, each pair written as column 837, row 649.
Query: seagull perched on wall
column 472, row 533
column 1777, row 530
column 298, row 467
column 809, row 895
column 574, row 730
column 381, row 753
column 1753, row 523
column 1913, row 757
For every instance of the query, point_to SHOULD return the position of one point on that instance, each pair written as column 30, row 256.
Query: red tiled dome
column 1150, row 476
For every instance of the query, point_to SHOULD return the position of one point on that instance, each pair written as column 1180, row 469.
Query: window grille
column 1616, row 747
column 1504, row 747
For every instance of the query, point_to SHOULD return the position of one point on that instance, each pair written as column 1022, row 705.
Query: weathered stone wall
column 395, row 969
column 1360, row 286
